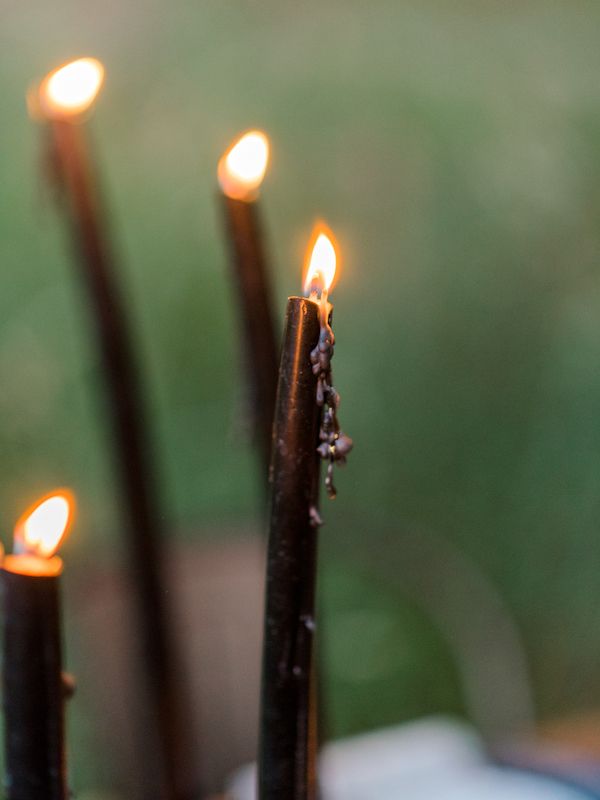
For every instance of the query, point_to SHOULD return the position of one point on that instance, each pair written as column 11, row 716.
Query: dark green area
column 454, row 150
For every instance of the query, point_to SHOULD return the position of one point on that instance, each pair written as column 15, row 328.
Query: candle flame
column 242, row 168
column 321, row 258
column 70, row 90
column 43, row 527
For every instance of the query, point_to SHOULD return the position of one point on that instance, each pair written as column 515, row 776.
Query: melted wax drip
column 335, row 445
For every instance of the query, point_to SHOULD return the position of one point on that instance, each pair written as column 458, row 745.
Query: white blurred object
column 430, row 759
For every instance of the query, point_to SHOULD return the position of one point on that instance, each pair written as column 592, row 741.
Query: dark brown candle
column 241, row 171
column 63, row 101
column 33, row 686
column 302, row 427
column 286, row 761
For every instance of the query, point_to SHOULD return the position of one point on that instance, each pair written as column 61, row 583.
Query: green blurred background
column 453, row 148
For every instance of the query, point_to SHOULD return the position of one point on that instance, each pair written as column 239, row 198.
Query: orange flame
column 242, row 168
column 321, row 260
column 43, row 527
column 71, row 89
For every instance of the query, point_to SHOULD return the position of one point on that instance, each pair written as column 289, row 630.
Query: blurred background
column 454, row 152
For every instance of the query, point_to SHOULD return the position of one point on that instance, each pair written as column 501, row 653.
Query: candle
column 63, row 101
column 305, row 420
column 33, row 687
column 240, row 172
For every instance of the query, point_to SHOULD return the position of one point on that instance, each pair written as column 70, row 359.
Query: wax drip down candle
column 305, row 420
column 34, row 688
column 63, row 102
column 240, row 172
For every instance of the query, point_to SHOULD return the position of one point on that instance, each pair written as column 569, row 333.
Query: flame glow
column 242, row 168
column 41, row 529
column 71, row 89
column 321, row 260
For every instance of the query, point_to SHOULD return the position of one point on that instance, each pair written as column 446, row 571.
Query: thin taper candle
column 63, row 103
column 305, row 430
column 286, row 759
column 240, row 173
column 33, row 685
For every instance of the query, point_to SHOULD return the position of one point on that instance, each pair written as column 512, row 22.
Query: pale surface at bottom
column 430, row 759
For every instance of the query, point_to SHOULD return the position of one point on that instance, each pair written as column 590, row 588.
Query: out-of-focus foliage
column 454, row 150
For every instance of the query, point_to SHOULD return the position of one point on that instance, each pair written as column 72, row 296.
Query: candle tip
column 70, row 90
column 242, row 167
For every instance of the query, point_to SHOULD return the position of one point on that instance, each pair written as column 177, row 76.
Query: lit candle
column 64, row 101
column 305, row 430
column 241, row 171
column 34, row 690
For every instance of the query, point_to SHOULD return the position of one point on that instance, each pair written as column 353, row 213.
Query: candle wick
column 324, row 308
column 20, row 545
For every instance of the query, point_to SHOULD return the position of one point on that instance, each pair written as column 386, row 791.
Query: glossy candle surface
column 286, row 759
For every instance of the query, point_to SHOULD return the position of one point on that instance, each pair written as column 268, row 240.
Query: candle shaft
column 140, row 498
column 260, row 349
column 33, row 689
column 287, row 740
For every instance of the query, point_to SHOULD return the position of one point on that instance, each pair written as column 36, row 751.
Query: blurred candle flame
column 70, row 90
column 242, row 168
column 44, row 526
column 321, row 260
